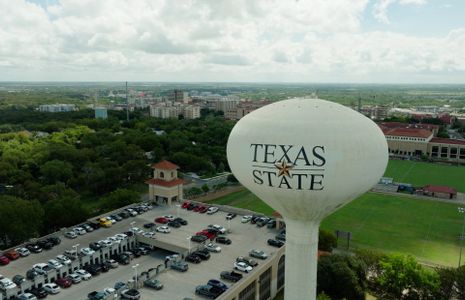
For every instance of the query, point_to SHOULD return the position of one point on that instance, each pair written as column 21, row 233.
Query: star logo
column 283, row 168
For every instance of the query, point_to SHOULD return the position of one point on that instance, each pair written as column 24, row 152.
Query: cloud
column 381, row 8
column 260, row 40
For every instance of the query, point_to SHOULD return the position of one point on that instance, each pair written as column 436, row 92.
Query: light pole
column 189, row 240
column 462, row 211
column 229, row 225
column 177, row 209
column 75, row 247
column 131, row 225
column 135, row 274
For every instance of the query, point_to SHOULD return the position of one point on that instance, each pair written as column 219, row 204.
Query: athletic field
column 422, row 173
column 426, row 229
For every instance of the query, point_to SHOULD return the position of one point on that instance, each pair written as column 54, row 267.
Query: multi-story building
column 414, row 140
column 243, row 108
column 192, row 112
column 57, row 108
column 178, row 96
column 101, row 112
column 226, row 104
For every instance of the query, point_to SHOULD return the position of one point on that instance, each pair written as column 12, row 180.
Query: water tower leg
column 301, row 260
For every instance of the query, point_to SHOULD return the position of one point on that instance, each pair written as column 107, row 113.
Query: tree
column 327, row 241
column 401, row 277
column 56, row 170
column 119, row 198
column 19, row 220
column 205, row 188
column 64, row 211
column 347, row 271
column 447, row 277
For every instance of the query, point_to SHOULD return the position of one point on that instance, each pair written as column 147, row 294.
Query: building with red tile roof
column 165, row 186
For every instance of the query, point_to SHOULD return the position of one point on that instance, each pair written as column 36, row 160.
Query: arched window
column 162, row 175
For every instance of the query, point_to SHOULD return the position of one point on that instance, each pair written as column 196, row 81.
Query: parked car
column 193, row 258
column 4, row 260
column 246, row 219
column 262, row 221
column 83, row 274
column 120, row 286
column 203, row 209
column 199, row 238
column 231, row 276
column 23, row 251
column 132, row 294
column 87, row 251
column 41, row 268
column 38, row 292
column 93, row 269
column 87, row 227
column 122, row 259
column 95, row 246
column 174, row 224
column 161, row 220
column 109, row 292
column 31, row 274
column 136, row 230
column 247, row 260
column 26, row 296
column 64, row 282
column 71, row 235
column 18, row 279
column 230, row 216
column 185, row 205
column 164, row 229
column 12, row 255
column 281, row 237
column 44, row 244
column 96, row 295
column 223, row 240
column 51, row 288
column 218, row 228
column 124, row 214
column 242, row 266
column 54, row 264
column 116, row 217
column 75, row 278
column 34, row 248
column 79, row 230
column 104, row 267
column 63, row 259
column 191, row 206
column 258, row 254
column 271, row 223
column 213, row 247
column 153, row 283
column 149, row 225
column 180, row 221
column 212, row 209
column 275, row 243
column 204, row 255
column 103, row 222
column 6, row 284
column 208, row 291
column 179, row 266
column 218, row 284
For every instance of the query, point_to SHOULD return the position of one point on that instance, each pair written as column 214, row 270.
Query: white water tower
column 306, row 158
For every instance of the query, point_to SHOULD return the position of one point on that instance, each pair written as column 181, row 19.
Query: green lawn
column 426, row 229
column 422, row 173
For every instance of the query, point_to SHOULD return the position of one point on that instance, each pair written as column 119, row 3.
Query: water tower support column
column 301, row 260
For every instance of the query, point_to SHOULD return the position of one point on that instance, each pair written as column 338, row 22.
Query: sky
column 314, row 41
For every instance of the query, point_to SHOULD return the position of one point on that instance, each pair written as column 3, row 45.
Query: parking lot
column 177, row 285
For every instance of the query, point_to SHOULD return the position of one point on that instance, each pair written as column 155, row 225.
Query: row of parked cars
column 200, row 208
column 37, row 247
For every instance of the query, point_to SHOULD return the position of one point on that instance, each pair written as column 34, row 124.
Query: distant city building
column 375, row 112
column 179, row 96
column 101, row 112
column 57, row 108
column 243, row 108
column 192, row 112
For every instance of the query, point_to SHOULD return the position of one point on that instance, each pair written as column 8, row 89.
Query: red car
column 206, row 233
column 4, row 260
column 197, row 208
column 185, row 204
column 161, row 220
column 12, row 255
column 64, row 282
column 203, row 209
